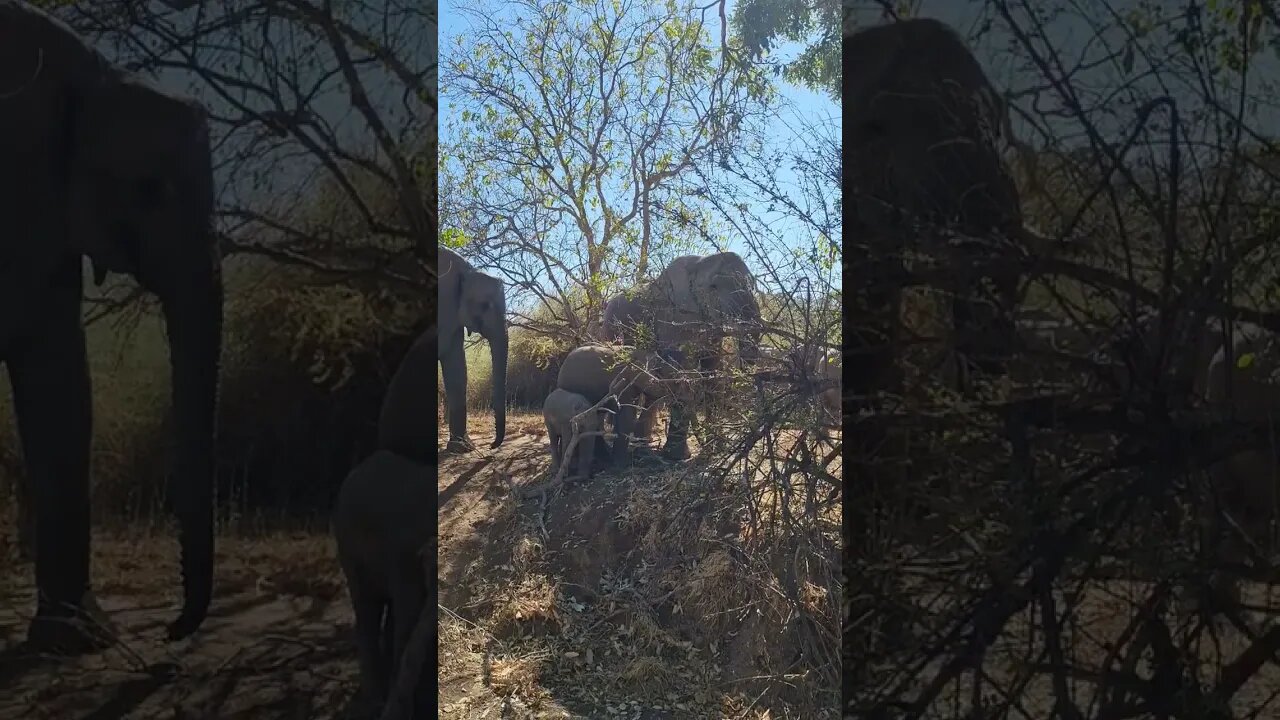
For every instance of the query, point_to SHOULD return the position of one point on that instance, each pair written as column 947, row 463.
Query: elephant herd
column 679, row 319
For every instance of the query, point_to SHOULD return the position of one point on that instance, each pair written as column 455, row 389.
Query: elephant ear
column 680, row 280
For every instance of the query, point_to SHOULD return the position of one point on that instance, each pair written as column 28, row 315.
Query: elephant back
column 403, row 420
column 589, row 370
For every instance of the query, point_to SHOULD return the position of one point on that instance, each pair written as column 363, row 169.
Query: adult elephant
column 924, row 131
column 472, row 300
column 95, row 162
column 682, row 312
column 403, row 427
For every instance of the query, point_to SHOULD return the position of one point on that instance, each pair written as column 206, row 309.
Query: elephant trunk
column 498, row 351
column 193, row 320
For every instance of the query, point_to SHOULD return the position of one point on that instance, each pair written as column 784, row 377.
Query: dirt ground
column 277, row 643
column 553, row 607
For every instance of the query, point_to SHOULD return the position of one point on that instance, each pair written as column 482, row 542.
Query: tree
column 579, row 127
column 301, row 93
column 762, row 24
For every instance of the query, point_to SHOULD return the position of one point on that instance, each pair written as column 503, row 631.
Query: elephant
column 676, row 312
column 402, row 423
column 624, row 322
column 594, row 371
column 923, row 131
column 406, row 696
column 558, row 412
column 473, row 300
column 95, row 162
column 381, row 523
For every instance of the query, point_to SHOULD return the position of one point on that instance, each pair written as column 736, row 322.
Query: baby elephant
column 381, row 522
column 558, row 412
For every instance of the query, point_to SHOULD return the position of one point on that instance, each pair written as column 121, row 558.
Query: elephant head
column 475, row 301
column 141, row 202
column 714, row 289
column 924, row 126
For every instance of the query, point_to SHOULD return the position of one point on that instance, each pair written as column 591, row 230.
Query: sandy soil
column 277, row 643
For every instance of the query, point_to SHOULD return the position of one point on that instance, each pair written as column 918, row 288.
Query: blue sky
column 798, row 104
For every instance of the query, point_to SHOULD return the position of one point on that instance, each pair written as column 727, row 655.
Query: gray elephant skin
column 475, row 301
column 96, row 163
column 403, row 423
column 592, row 370
column 558, row 412
column 679, row 312
column 923, row 128
column 406, row 696
column 381, row 522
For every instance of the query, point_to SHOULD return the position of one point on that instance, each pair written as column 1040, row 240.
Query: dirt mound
column 625, row 596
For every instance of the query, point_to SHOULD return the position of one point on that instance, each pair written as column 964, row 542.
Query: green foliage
column 763, row 23
column 453, row 238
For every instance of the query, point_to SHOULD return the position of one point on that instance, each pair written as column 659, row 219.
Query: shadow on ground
column 277, row 643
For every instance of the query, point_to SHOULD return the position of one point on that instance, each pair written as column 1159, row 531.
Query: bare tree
column 1024, row 561
column 306, row 98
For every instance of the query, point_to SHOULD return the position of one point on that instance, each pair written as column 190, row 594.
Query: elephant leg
column 677, row 445
column 642, row 409
column 369, row 606
column 648, row 421
column 983, row 316
column 586, row 453
column 556, row 457
column 453, row 366
column 409, row 594
column 603, row 452
column 49, row 374
column 407, row 698
column 624, row 426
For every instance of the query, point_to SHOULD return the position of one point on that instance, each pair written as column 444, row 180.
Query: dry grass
column 634, row 595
